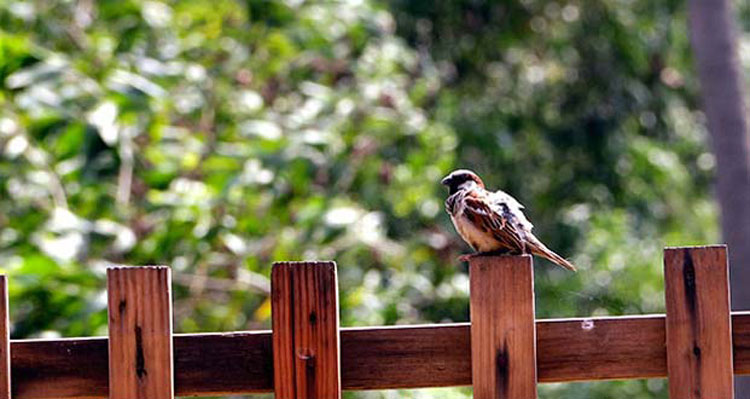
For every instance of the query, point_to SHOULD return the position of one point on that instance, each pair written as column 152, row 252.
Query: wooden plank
column 604, row 348
column 140, row 332
column 741, row 342
column 406, row 356
column 238, row 363
column 503, row 334
column 699, row 335
column 4, row 340
column 216, row 364
column 305, row 313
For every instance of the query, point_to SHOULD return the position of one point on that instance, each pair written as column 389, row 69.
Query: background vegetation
column 219, row 136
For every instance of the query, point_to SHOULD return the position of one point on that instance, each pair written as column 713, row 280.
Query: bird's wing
column 494, row 218
column 450, row 202
column 532, row 244
column 502, row 199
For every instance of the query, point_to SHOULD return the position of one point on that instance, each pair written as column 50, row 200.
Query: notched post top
column 302, row 263
column 697, row 248
column 116, row 268
column 491, row 259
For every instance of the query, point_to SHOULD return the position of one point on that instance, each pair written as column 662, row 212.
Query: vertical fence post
column 305, row 313
column 503, row 334
column 699, row 332
column 140, row 333
column 4, row 340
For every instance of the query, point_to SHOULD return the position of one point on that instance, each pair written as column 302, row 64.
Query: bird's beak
column 446, row 181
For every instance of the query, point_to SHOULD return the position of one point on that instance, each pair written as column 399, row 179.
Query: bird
column 492, row 222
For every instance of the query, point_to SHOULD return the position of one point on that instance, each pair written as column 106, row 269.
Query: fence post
column 699, row 332
column 503, row 334
column 4, row 340
column 305, row 313
column 140, row 333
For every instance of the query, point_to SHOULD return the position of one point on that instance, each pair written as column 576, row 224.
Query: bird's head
column 461, row 178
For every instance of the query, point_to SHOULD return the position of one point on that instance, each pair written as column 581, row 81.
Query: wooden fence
column 699, row 345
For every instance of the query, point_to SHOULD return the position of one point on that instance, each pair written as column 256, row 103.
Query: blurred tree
column 218, row 136
column 713, row 37
column 586, row 111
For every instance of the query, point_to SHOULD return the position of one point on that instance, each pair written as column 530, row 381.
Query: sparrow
column 492, row 222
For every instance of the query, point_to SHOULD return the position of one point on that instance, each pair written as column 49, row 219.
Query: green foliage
column 219, row 136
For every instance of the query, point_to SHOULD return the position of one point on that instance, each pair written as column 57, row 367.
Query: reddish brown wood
column 741, row 342
column 4, row 340
column 406, row 356
column 605, row 348
column 371, row 357
column 140, row 333
column 304, row 306
column 699, row 334
column 503, row 341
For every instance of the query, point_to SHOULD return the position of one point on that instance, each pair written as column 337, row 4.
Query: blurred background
column 219, row 136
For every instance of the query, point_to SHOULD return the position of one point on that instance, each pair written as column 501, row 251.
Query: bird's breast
column 480, row 240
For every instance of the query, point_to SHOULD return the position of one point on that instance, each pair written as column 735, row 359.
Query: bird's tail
column 536, row 247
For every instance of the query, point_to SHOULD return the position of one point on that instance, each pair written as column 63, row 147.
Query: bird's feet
column 466, row 257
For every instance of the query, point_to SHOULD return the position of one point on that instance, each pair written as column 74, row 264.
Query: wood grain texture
column 699, row 334
column 406, row 356
column 741, row 342
column 5, row 392
column 503, row 342
column 140, row 333
column 578, row 349
column 305, row 313
column 602, row 348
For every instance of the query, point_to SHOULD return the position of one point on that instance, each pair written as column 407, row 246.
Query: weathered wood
column 140, row 333
column 406, row 356
column 605, row 348
column 699, row 336
column 4, row 340
column 304, row 305
column 577, row 349
column 741, row 342
column 503, row 342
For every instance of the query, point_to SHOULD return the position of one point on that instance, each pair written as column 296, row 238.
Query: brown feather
column 536, row 247
column 485, row 218
column 494, row 222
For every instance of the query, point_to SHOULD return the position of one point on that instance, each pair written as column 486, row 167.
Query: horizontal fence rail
column 583, row 349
